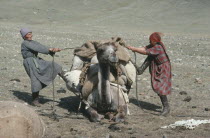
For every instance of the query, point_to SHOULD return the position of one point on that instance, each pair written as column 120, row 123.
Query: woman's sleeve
column 154, row 51
column 143, row 67
column 36, row 46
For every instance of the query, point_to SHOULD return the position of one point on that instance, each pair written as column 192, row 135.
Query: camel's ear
column 116, row 39
column 101, row 45
column 115, row 44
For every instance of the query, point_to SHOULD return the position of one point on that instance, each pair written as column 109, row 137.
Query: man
column 41, row 72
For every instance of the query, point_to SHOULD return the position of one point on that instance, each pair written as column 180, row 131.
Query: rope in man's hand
column 52, row 53
column 54, row 116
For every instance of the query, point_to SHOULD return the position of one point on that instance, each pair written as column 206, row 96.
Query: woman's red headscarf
column 156, row 37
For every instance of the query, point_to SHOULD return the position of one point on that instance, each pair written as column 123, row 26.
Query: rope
column 137, row 97
column 68, row 48
column 53, row 82
column 54, row 116
column 82, row 100
column 134, row 63
column 118, row 87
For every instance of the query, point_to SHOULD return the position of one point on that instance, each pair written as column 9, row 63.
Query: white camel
column 105, row 89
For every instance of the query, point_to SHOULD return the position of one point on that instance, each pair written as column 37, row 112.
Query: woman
column 41, row 72
column 159, row 67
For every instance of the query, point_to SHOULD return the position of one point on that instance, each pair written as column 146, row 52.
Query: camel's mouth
column 113, row 59
column 113, row 62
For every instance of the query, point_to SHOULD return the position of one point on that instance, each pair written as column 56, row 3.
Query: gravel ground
column 190, row 98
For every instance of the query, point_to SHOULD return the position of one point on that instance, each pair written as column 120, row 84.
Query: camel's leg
column 121, row 113
column 109, row 115
column 88, row 86
column 94, row 116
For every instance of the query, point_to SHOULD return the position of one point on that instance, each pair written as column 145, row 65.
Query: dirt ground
column 190, row 98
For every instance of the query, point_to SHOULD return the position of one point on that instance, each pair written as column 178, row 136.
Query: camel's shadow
column 145, row 105
column 26, row 97
column 70, row 103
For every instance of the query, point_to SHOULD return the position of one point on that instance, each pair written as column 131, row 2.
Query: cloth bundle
column 88, row 49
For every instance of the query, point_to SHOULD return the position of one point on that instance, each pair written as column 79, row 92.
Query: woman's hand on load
column 55, row 49
column 129, row 47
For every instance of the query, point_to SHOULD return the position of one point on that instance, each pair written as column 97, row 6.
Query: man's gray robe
column 40, row 71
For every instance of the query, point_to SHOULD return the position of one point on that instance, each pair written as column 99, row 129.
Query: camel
column 105, row 89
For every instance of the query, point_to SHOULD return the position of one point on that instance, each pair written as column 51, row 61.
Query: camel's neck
column 104, row 84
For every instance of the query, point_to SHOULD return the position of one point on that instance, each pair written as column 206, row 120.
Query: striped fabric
column 160, row 70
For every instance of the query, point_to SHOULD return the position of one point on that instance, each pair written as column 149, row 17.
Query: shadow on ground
column 145, row 105
column 26, row 97
column 70, row 103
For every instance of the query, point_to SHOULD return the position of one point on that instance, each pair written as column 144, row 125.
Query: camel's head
column 106, row 53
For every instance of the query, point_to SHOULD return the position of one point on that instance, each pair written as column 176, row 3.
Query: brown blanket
column 88, row 49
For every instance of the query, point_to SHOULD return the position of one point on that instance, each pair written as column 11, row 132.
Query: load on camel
column 102, row 73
